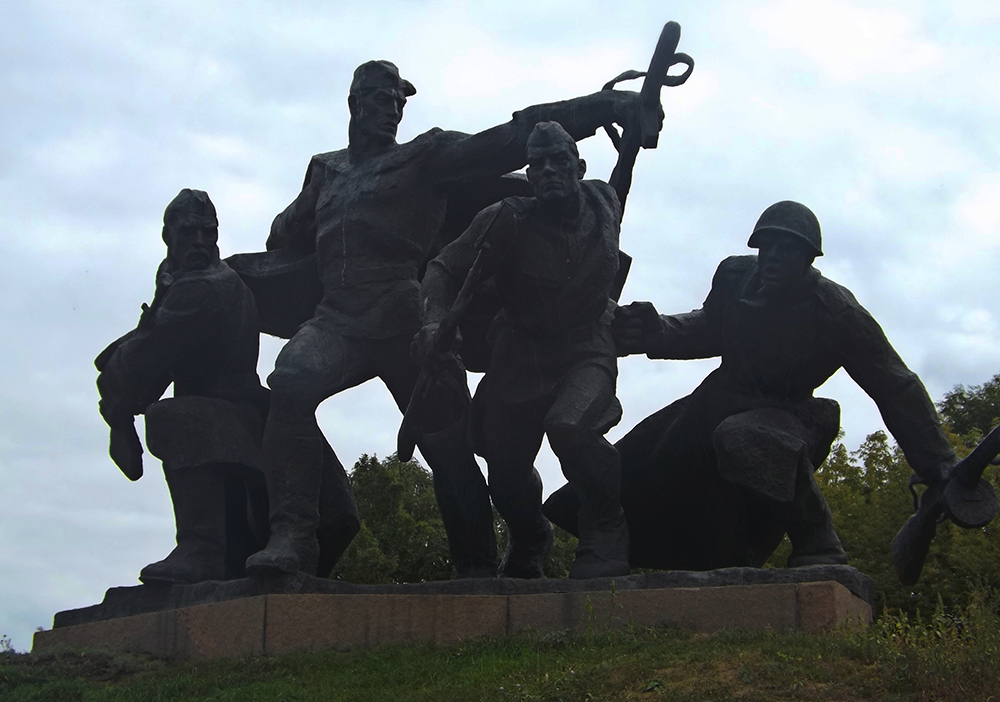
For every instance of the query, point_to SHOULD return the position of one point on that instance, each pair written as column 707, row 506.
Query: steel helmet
column 790, row 218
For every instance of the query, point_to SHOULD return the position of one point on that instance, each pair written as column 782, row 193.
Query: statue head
column 376, row 101
column 788, row 239
column 191, row 232
column 555, row 168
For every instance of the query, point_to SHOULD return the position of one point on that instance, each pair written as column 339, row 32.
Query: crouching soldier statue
column 200, row 333
column 718, row 477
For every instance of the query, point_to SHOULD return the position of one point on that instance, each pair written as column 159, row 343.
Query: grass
column 949, row 656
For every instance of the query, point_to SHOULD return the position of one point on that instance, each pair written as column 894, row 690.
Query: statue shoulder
column 329, row 157
column 603, row 193
column 734, row 271
column 835, row 298
column 320, row 162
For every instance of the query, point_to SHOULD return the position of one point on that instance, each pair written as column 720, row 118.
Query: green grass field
column 950, row 656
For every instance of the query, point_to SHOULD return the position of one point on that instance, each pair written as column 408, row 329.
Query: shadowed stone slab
column 317, row 622
column 702, row 609
column 223, row 629
column 280, row 623
column 141, row 599
column 825, row 606
column 281, row 615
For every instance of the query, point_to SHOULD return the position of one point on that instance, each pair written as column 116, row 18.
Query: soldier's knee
column 569, row 439
column 293, row 385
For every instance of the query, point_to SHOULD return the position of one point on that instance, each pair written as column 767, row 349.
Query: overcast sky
column 880, row 116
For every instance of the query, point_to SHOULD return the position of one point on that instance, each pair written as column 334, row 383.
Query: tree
column 868, row 492
column 402, row 538
column 972, row 409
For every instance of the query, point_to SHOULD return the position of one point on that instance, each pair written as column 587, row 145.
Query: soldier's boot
column 464, row 501
column 810, row 528
column 198, row 495
column 517, row 493
column 294, row 470
column 593, row 468
column 528, row 546
column 603, row 548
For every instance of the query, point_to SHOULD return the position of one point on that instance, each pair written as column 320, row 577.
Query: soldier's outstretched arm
column 501, row 149
column 902, row 400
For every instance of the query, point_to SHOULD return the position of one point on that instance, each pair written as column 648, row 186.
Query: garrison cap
column 551, row 134
column 373, row 75
column 791, row 218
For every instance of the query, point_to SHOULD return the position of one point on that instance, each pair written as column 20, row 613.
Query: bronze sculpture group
column 387, row 251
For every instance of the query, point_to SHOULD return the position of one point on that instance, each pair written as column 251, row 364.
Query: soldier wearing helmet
column 717, row 478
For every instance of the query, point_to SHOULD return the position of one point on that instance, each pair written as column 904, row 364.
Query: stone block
column 278, row 623
column 219, row 630
column 829, row 605
column 315, row 622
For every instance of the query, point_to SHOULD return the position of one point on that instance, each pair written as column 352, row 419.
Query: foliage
column 948, row 649
column 976, row 408
column 868, row 493
column 402, row 538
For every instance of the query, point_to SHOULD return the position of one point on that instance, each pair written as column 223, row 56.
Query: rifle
column 647, row 134
column 964, row 498
column 444, row 340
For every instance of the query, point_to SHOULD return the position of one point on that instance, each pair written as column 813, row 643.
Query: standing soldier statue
column 201, row 334
column 373, row 215
column 554, row 258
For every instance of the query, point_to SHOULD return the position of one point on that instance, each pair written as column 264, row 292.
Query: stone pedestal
column 276, row 616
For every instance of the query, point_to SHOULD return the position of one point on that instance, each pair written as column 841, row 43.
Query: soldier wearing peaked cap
column 373, row 213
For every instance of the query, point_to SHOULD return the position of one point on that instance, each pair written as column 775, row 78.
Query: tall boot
column 464, row 501
column 294, row 470
column 198, row 495
column 593, row 468
column 603, row 548
column 810, row 527
column 517, row 495
column 528, row 546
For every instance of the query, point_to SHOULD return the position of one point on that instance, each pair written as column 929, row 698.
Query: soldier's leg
column 459, row 486
column 338, row 512
column 810, row 526
column 584, row 410
column 246, row 517
column 314, row 365
column 199, row 502
column 511, row 437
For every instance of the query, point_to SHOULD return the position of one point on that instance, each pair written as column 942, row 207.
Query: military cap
column 790, row 218
column 551, row 134
column 372, row 75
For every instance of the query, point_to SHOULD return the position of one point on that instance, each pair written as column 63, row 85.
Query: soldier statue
column 717, row 478
column 373, row 215
column 201, row 334
column 553, row 369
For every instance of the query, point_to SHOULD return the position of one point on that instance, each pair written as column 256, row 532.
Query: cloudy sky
column 881, row 116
